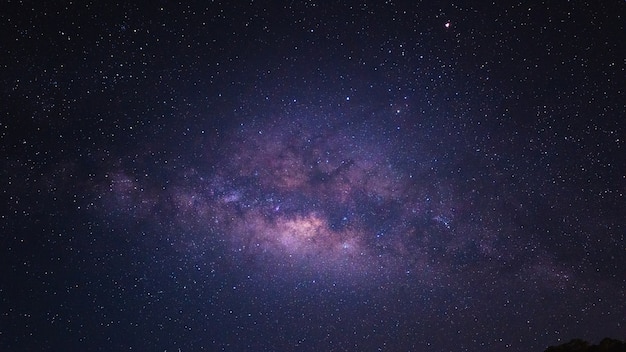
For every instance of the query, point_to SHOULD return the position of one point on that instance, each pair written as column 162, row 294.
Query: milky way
column 312, row 199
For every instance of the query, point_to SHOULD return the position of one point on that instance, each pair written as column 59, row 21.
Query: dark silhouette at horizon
column 578, row 345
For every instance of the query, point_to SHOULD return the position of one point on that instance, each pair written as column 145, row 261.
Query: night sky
column 312, row 176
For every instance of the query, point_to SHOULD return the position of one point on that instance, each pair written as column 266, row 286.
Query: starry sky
column 311, row 175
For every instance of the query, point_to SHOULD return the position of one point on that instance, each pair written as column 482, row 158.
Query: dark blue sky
column 366, row 176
